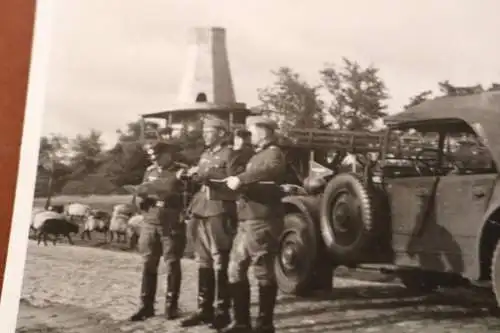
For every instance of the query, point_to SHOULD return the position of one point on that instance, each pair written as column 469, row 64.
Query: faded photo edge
column 26, row 171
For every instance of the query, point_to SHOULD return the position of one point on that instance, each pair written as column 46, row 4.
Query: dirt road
column 86, row 290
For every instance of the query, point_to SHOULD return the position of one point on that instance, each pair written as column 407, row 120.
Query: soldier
column 242, row 139
column 213, row 234
column 242, row 152
column 260, row 214
column 242, row 146
column 162, row 232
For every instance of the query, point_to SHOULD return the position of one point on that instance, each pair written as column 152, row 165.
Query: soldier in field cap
column 212, row 228
column 242, row 147
column 260, row 215
column 162, row 234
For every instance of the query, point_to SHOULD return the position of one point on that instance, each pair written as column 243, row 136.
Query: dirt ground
column 90, row 290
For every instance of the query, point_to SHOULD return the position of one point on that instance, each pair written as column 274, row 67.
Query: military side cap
column 261, row 121
column 215, row 123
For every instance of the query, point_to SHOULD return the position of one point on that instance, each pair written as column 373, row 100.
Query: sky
column 112, row 60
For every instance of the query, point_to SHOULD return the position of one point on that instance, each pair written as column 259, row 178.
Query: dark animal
column 56, row 227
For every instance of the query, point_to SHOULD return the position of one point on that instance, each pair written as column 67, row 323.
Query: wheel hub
column 289, row 256
column 341, row 216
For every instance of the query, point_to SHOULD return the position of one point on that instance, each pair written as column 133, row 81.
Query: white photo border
column 26, row 175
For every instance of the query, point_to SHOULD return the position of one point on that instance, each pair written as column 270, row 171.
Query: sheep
column 34, row 213
column 77, row 212
column 38, row 221
column 96, row 221
column 119, row 219
column 134, row 230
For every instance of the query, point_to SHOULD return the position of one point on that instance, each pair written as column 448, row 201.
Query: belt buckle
column 160, row 204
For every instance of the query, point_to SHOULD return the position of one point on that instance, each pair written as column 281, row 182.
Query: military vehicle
column 427, row 209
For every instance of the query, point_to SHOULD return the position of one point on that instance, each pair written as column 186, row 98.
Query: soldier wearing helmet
column 162, row 233
column 212, row 225
column 260, row 215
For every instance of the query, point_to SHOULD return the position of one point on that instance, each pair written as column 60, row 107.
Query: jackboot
column 222, row 300
column 148, row 294
column 267, row 302
column 240, row 295
column 205, row 313
column 174, row 277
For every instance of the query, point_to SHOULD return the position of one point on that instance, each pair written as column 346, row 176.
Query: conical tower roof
column 207, row 84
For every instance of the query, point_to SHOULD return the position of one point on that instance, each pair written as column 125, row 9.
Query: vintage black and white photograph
column 267, row 166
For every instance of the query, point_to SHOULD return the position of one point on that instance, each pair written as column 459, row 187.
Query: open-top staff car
column 428, row 209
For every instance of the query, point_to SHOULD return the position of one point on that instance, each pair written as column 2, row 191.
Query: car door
column 447, row 241
column 410, row 187
column 462, row 198
column 410, row 202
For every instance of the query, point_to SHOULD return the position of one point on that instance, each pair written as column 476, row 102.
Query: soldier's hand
column 191, row 171
column 232, row 182
column 180, row 174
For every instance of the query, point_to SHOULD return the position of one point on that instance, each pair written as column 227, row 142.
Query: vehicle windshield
column 408, row 144
column 462, row 151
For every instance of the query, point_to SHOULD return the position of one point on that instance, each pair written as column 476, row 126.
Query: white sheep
column 96, row 221
column 134, row 229
column 78, row 212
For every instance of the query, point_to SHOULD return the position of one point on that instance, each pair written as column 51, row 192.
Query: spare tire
column 346, row 217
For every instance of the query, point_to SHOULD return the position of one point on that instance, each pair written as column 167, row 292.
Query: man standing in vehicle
column 213, row 234
column 162, row 232
column 260, row 214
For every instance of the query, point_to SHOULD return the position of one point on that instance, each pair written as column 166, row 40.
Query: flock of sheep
column 122, row 224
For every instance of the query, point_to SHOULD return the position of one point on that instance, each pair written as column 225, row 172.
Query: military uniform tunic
column 162, row 233
column 213, row 231
column 260, row 214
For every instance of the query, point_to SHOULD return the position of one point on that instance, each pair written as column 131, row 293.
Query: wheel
column 296, row 257
column 495, row 273
column 346, row 217
column 418, row 281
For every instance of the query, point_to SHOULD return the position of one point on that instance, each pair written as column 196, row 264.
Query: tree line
column 348, row 96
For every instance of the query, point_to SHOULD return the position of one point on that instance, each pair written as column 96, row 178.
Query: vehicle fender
column 493, row 206
column 309, row 207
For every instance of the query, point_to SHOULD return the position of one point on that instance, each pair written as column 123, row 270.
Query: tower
column 206, row 87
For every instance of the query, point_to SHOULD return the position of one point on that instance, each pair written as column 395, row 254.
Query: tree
column 447, row 89
column 133, row 130
column 52, row 168
column 291, row 101
column 124, row 164
column 87, row 151
column 357, row 95
column 419, row 98
column 494, row 87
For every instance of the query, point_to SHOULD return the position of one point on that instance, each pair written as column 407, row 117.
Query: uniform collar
column 216, row 148
column 264, row 144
